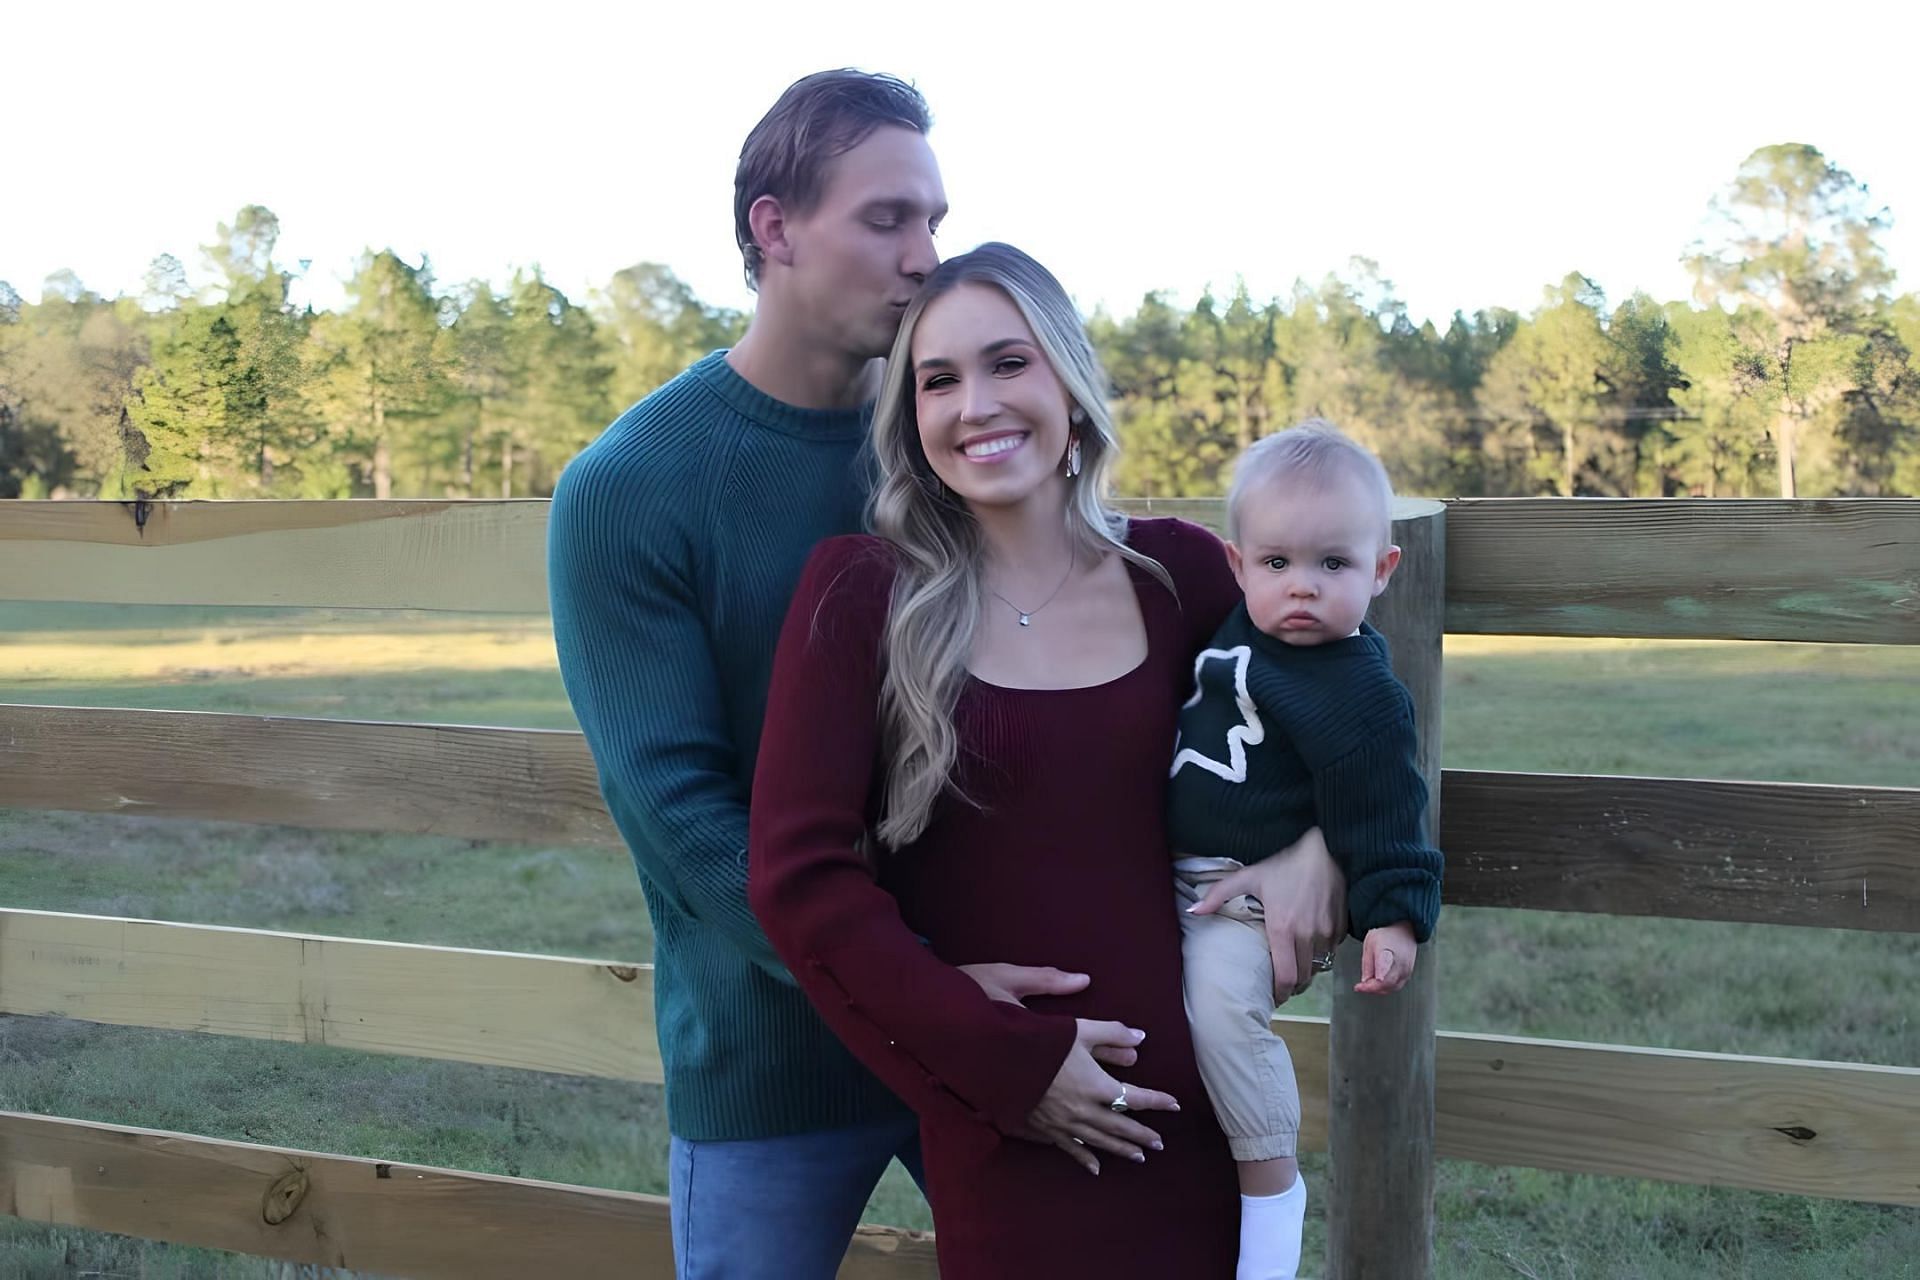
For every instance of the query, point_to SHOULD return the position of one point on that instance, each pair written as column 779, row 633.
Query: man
column 675, row 542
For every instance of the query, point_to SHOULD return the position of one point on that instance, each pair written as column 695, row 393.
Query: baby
column 1296, row 721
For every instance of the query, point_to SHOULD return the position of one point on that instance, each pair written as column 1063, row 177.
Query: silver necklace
column 1026, row 615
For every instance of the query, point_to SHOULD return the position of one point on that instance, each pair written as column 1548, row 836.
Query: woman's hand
column 1304, row 896
column 1077, row 1114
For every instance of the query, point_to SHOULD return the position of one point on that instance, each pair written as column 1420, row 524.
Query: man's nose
column 921, row 256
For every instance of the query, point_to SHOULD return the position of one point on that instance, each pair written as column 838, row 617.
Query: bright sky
column 1477, row 151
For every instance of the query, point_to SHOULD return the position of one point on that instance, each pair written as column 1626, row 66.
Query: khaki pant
column 1229, row 990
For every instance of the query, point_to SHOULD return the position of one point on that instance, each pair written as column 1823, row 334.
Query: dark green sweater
column 674, row 544
column 1279, row 738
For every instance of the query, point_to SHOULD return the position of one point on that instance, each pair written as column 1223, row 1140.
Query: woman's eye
column 937, row 381
column 1008, row 365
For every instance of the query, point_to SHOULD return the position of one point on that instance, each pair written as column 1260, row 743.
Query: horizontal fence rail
column 1773, row 853
column 535, row 785
column 469, row 556
column 367, row 1215
column 543, row 1013
column 1842, row 570
column 1761, row 852
column 1809, row 1128
column 1845, row 570
column 1831, row 1129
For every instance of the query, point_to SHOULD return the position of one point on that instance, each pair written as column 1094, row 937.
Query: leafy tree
column 653, row 326
column 1717, row 446
column 67, row 366
column 372, row 369
column 558, row 401
column 1795, row 240
column 220, row 406
column 484, row 365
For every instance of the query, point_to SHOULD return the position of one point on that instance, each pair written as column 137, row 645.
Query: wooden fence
column 1770, row 853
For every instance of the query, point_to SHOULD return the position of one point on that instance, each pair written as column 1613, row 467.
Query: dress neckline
column 1141, row 581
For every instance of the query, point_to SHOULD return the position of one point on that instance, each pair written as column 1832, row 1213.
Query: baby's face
column 1311, row 558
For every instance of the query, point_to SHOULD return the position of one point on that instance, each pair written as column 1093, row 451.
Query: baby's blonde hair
column 1315, row 451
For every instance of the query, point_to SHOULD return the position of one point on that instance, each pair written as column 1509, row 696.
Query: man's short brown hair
column 818, row 118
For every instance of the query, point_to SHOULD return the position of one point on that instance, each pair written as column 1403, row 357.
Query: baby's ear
column 1389, row 561
column 1235, row 563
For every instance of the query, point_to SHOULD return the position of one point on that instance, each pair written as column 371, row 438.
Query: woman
column 963, row 762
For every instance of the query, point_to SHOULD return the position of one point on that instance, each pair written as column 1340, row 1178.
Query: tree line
column 1794, row 370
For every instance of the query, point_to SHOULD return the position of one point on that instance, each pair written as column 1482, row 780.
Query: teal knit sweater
column 674, row 544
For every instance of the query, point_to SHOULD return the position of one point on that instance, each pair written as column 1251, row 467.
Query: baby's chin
column 1309, row 636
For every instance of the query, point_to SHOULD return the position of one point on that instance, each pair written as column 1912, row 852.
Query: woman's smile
column 993, row 447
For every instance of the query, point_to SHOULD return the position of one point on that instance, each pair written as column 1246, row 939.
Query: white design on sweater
column 1240, row 736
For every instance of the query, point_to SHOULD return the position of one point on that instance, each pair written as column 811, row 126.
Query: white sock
column 1270, row 1231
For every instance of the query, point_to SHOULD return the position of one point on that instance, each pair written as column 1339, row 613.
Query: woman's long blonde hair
column 937, row 592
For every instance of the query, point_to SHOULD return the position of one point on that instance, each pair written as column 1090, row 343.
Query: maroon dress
column 1061, row 859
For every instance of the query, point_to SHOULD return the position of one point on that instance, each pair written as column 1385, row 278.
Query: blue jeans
column 779, row 1208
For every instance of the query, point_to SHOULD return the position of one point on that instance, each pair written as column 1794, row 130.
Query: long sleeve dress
column 1058, row 856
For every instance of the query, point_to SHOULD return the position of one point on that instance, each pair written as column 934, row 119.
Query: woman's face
column 992, row 413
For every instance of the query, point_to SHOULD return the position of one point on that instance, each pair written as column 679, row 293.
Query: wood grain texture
column 468, row 555
column 1767, row 1124
column 1835, row 570
column 1841, row 570
column 534, row 785
column 540, row 1013
column 1769, row 853
column 367, row 1215
column 1833, row 1129
column 1381, row 1069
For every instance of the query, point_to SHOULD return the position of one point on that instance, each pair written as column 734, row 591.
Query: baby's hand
column 1386, row 959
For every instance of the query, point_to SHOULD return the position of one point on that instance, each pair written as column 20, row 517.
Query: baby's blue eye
column 1276, row 563
column 1334, row 564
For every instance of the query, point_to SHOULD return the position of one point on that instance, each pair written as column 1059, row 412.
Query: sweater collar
column 763, row 410
column 1367, row 641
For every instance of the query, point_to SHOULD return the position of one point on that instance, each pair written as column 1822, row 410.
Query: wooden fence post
column 1380, row 1076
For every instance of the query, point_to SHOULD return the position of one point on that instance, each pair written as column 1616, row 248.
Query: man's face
column 859, row 255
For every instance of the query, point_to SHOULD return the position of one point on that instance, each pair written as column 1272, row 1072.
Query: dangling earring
column 1073, row 457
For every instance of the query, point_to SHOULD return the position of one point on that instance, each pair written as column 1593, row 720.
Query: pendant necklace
column 1026, row 615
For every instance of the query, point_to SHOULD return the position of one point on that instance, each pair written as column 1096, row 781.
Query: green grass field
column 1800, row 713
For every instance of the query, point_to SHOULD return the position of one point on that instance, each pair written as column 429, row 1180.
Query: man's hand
column 1386, row 959
column 1304, row 897
column 1013, row 983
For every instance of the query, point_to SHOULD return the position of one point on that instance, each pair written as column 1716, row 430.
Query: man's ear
column 1238, row 566
column 1389, row 561
column 767, row 219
